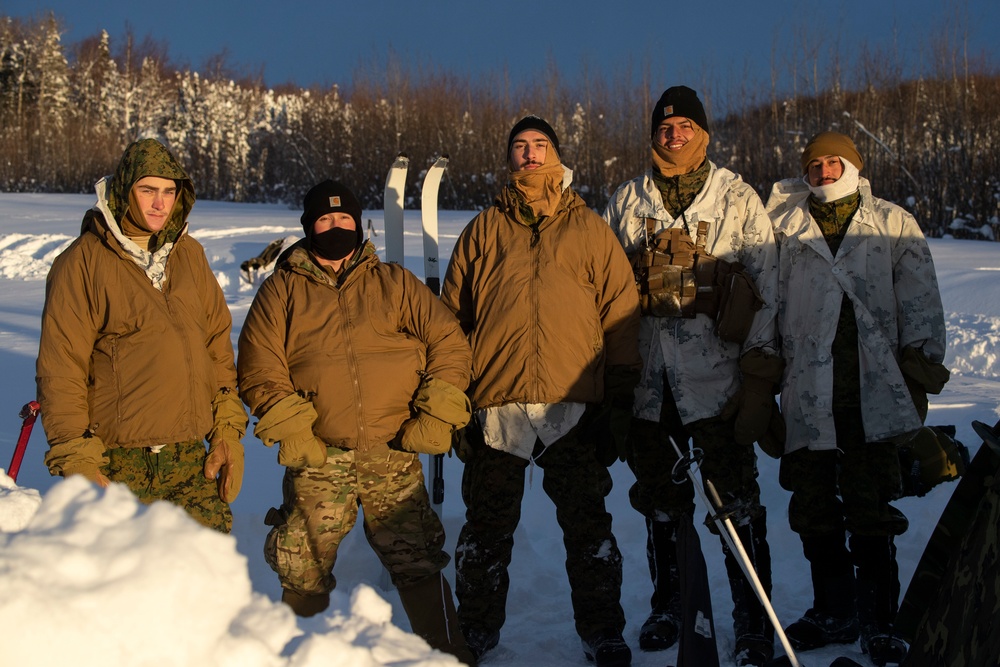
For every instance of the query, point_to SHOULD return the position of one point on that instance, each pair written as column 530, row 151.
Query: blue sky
column 715, row 43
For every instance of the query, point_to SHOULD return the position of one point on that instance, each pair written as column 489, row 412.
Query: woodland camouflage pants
column 176, row 475
column 320, row 506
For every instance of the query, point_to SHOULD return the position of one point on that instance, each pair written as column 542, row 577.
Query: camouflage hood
column 149, row 157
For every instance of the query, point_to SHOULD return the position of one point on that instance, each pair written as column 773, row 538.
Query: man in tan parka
column 135, row 365
column 545, row 292
column 355, row 368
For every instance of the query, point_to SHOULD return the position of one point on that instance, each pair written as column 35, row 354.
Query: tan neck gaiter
column 540, row 188
column 687, row 159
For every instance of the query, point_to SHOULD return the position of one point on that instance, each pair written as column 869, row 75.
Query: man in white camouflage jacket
column 863, row 337
column 698, row 383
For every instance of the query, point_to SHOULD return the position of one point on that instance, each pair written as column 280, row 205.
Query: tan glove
column 441, row 408
column 425, row 434
column 303, row 450
column 290, row 422
column 225, row 451
column 755, row 398
column 79, row 456
column 224, row 464
column 229, row 417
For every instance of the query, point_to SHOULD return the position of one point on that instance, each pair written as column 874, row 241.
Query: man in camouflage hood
column 700, row 382
column 135, row 367
column 863, row 335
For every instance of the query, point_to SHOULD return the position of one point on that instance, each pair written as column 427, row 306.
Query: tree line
column 931, row 144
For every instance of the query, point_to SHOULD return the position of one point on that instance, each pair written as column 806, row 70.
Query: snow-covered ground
column 90, row 577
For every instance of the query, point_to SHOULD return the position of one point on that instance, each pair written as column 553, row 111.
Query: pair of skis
column 394, row 205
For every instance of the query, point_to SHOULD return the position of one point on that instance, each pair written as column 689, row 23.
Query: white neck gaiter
column 845, row 185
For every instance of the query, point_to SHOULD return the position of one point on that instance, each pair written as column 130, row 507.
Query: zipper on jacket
column 352, row 359
column 117, row 378
column 188, row 355
column 533, row 292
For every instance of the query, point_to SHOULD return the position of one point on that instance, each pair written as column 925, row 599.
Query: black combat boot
column 660, row 631
column 607, row 649
column 833, row 616
column 753, row 630
column 878, row 598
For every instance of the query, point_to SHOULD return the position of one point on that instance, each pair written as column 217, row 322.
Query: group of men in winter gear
column 561, row 341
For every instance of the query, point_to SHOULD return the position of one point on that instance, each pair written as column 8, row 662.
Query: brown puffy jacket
column 547, row 308
column 354, row 349
column 135, row 366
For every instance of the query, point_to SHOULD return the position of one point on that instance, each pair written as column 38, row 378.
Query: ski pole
column 29, row 413
column 732, row 539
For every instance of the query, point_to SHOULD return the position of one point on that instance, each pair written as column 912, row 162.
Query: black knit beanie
column 330, row 197
column 532, row 123
column 678, row 101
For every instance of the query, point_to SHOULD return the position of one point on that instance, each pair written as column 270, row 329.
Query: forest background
column 931, row 141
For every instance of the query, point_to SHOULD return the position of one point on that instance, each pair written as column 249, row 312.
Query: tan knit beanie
column 831, row 143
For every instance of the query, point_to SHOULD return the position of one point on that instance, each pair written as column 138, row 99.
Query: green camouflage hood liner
column 148, row 157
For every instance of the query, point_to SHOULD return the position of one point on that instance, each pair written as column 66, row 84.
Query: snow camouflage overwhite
column 884, row 266
column 693, row 356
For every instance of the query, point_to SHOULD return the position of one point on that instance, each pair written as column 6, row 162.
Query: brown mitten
column 922, row 376
column 425, row 434
column 755, row 399
column 440, row 409
column 79, row 456
column 302, row 450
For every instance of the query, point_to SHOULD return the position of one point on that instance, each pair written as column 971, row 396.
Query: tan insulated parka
column 132, row 364
column 355, row 349
column 547, row 309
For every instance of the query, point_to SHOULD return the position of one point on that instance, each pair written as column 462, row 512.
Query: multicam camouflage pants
column 320, row 507
column 493, row 488
column 731, row 467
column 174, row 474
column 844, row 489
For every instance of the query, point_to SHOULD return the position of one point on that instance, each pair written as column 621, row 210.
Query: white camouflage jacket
column 703, row 370
column 884, row 267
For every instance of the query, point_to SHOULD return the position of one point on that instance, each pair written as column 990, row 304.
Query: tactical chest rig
column 677, row 277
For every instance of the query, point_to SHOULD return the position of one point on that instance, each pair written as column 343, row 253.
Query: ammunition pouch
column 677, row 277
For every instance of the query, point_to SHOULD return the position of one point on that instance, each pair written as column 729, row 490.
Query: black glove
column 922, row 376
column 612, row 418
column 466, row 441
column 754, row 402
column 609, row 428
column 772, row 442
